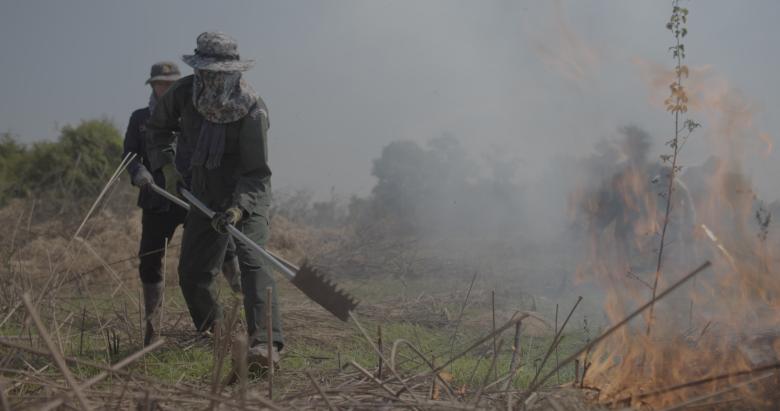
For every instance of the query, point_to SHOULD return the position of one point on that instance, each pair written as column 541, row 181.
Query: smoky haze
column 531, row 84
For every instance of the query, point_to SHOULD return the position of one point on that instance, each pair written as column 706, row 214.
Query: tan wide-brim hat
column 217, row 52
column 164, row 71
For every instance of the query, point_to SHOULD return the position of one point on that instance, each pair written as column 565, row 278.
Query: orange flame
column 709, row 328
column 767, row 139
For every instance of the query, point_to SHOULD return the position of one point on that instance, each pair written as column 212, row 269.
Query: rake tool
column 307, row 278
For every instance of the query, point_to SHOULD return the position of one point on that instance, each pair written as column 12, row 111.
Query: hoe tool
column 306, row 278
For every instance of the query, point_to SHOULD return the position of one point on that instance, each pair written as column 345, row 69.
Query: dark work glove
column 173, row 179
column 221, row 220
column 142, row 178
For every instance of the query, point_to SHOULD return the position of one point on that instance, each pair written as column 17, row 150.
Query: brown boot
column 152, row 305
column 256, row 363
column 258, row 360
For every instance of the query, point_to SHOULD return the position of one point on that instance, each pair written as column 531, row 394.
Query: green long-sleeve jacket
column 243, row 177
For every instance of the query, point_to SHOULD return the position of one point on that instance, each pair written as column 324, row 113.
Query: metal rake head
column 324, row 292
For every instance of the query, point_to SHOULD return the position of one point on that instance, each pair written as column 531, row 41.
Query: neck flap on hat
column 222, row 96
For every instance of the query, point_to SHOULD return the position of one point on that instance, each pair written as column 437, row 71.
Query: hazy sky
column 531, row 80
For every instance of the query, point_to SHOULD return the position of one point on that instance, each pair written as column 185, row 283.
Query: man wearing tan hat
column 159, row 218
column 226, row 122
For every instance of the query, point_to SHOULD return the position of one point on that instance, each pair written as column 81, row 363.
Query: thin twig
column 554, row 345
column 222, row 338
column 161, row 319
column 514, row 363
column 151, row 381
column 240, row 347
column 701, row 381
column 676, row 147
column 460, row 315
column 117, row 278
column 10, row 313
column 481, row 341
column 379, row 345
column 493, row 309
column 82, row 326
column 492, row 367
column 270, row 330
column 557, row 360
column 319, row 390
column 686, row 404
column 103, row 374
column 372, row 378
column 376, row 349
column 3, row 398
column 430, row 363
column 56, row 355
column 125, row 162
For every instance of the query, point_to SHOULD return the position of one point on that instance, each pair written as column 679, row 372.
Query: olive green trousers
column 202, row 253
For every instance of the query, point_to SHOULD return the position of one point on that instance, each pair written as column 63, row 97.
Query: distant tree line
column 434, row 188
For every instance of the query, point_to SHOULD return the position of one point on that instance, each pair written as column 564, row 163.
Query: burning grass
column 86, row 293
column 87, row 296
column 711, row 342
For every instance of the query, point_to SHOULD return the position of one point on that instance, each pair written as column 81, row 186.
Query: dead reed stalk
column 437, row 376
column 3, row 398
column 554, row 344
column 269, row 293
column 319, row 391
column 56, row 355
column 514, row 363
column 688, row 403
column 701, row 381
column 376, row 350
column 240, row 347
column 481, row 341
column 491, row 369
column 493, row 312
column 381, row 349
column 182, row 389
column 223, row 334
column 125, row 162
column 557, row 359
column 373, row 379
column 104, row 374
column 460, row 315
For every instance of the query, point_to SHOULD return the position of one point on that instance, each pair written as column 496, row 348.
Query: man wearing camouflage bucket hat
column 222, row 117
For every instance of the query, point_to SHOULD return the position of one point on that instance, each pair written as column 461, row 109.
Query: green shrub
column 11, row 157
column 66, row 172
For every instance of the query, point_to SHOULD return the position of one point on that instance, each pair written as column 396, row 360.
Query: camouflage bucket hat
column 164, row 71
column 217, row 52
